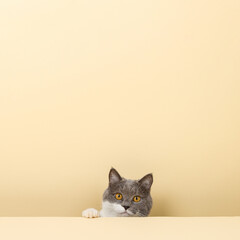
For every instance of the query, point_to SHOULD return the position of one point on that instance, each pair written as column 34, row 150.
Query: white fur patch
column 113, row 210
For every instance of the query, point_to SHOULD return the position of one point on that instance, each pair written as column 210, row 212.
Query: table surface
column 192, row 228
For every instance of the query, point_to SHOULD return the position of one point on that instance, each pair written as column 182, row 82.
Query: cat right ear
column 114, row 176
column 146, row 181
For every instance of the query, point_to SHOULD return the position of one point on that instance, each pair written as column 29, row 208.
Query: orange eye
column 118, row 196
column 136, row 199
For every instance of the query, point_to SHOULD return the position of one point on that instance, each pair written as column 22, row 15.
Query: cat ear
column 114, row 176
column 146, row 181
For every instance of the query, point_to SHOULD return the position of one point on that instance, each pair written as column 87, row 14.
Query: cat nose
column 126, row 207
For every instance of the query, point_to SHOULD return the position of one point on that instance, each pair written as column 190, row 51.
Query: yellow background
column 143, row 86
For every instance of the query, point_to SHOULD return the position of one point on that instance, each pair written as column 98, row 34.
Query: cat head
column 125, row 197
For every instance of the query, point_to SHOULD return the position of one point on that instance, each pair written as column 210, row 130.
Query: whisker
column 140, row 214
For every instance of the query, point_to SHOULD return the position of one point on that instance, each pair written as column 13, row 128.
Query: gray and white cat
column 124, row 197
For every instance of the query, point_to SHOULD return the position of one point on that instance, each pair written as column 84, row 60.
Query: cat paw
column 90, row 213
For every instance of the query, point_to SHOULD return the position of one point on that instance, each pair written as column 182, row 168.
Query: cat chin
column 124, row 214
column 128, row 214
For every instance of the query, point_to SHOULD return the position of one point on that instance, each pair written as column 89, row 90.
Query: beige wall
column 143, row 86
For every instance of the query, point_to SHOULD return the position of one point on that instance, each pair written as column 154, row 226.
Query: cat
column 124, row 197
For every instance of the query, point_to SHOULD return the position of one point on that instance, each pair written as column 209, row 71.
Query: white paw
column 90, row 213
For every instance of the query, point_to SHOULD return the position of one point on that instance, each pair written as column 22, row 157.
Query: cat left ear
column 114, row 176
column 146, row 181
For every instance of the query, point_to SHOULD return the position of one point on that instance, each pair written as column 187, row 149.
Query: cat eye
column 136, row 199
column 118, row 196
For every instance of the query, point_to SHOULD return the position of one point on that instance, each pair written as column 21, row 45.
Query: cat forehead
column 127, row 186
